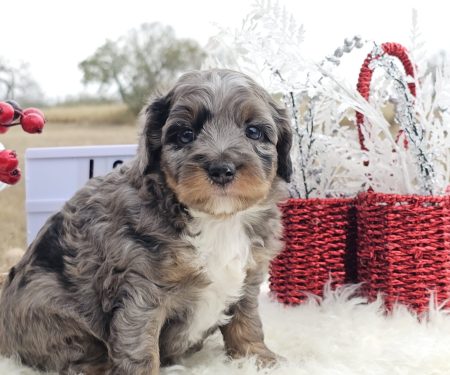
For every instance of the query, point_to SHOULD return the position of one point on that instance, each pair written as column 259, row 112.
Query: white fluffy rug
column 340, row 335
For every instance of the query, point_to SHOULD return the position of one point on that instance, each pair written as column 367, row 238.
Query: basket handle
column 365, row 77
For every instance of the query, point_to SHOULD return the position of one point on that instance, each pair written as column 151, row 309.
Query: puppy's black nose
column 221, row 172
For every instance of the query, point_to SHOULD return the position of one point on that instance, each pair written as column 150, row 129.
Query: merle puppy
column 141, row 265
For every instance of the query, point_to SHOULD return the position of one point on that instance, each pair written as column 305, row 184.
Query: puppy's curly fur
column 144, row 263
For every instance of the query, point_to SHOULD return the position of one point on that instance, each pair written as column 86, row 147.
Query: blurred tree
column 17, row 83
column 139, row 62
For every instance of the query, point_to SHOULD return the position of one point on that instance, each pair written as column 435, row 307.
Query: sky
column 54, row 36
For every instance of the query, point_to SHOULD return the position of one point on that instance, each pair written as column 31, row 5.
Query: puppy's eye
column 186, row 136
column 253, row 132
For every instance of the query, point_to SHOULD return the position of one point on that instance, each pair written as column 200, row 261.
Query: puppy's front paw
column 268, row 359
column 264, row 356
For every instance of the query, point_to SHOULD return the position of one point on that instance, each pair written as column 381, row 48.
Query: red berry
column 3, row 129
column 32, row 123
column 6, row 113
column 8, row 161
column 10, row 178
column 27, row 111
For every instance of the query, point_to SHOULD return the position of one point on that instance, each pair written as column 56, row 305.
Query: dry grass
column 90, row 114
column 12, row 199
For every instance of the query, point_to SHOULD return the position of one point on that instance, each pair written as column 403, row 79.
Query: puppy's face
column 222, row 142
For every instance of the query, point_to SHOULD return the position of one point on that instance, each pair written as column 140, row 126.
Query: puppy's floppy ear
column 284, row 143
column 155, row 116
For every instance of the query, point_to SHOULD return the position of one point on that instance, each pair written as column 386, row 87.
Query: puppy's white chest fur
column 223, row 250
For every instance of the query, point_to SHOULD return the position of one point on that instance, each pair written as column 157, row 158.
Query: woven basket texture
column 320, row 237
column 404, row 248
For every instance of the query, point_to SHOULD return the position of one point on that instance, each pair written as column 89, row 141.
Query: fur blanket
column 339, row 334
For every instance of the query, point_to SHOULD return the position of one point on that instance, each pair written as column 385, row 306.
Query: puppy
column 141, row 265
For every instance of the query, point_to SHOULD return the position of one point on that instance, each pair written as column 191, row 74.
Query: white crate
column 53, row 175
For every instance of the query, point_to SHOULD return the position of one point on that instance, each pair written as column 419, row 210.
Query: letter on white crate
column 54, row 174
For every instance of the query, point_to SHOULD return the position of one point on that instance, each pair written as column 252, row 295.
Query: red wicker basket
column 320, row 243
column 404, row 248
column 395, row 244
column 403, row 240
column 320, row 237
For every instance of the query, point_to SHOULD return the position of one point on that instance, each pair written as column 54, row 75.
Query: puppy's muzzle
column 222, row 172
